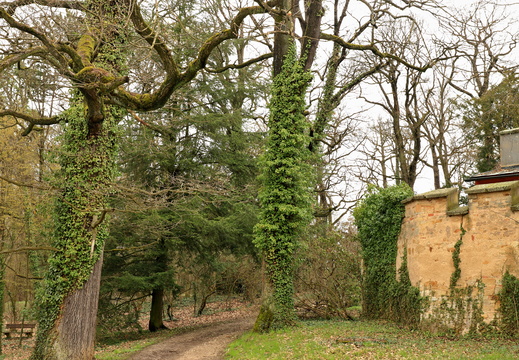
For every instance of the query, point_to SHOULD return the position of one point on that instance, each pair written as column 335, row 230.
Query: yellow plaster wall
column 433, row 224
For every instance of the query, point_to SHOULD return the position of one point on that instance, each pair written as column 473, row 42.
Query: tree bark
column 282, row 38
column 76, row 327
column 435, row 166
column 157, row 306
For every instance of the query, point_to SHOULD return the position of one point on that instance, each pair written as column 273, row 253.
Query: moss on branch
column 85, row 48
column 174, row 79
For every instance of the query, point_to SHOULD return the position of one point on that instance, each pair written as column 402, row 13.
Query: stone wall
column 489, row 229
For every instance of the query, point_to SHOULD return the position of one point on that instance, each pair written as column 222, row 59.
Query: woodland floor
column 205, row 338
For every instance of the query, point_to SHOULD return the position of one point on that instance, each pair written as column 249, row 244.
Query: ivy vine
column 87, row 171
column 378, row 218
column 456, row 260
column 287, row 179
column 509, row 309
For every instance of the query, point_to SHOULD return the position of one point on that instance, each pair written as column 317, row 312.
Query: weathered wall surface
column 488, row 227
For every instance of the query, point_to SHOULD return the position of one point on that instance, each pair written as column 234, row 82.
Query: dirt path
column 207, row 343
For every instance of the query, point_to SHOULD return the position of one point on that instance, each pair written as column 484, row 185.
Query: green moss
column 83, row 72
column 265, row 317
column 85, row 48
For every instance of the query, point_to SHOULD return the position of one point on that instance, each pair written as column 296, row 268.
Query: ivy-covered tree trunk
column 287, row 177
column 286, row 194
column 68, row 300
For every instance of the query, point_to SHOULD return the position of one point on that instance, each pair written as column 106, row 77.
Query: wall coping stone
column 494, row 187
column 453, row 207
column 460, row 210
column 438, row 193
column 509, row 131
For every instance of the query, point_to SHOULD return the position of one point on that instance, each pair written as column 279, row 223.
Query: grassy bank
column 365, row 340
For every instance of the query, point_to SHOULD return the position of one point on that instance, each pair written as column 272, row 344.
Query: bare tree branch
column 372, row 48
column 11, row 6
column 242, row 65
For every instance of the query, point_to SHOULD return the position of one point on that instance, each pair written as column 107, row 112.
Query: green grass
column 121, row 349
column 120, row 354
column 365, row 340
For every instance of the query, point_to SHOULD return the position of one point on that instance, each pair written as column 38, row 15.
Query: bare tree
column 448, row 145
column 481, row 40
column 481, row 57
column 377, row 161
column 402, row 98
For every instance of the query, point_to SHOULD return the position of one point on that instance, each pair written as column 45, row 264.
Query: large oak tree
column 87, row 45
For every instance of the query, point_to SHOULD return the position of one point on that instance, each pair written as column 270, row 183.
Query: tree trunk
column 285, row 199
column 401, row 161
column 157, row 306
column 446, row 171
column 282, row 38
column 76, row 327
column 69, row 298
column 435, row 166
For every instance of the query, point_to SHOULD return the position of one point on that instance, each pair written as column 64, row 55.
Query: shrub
column 328, row 278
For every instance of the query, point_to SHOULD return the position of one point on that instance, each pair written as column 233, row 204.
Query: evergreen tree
column 485, row 117
column 199, row 163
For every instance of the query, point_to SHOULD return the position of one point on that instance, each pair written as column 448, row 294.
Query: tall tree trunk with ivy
column 287, row 175
column 286, row 194
column 68, row 300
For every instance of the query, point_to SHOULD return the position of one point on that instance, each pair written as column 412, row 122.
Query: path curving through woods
column 205, row 343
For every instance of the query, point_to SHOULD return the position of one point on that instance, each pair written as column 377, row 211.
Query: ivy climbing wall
column 457, row 255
